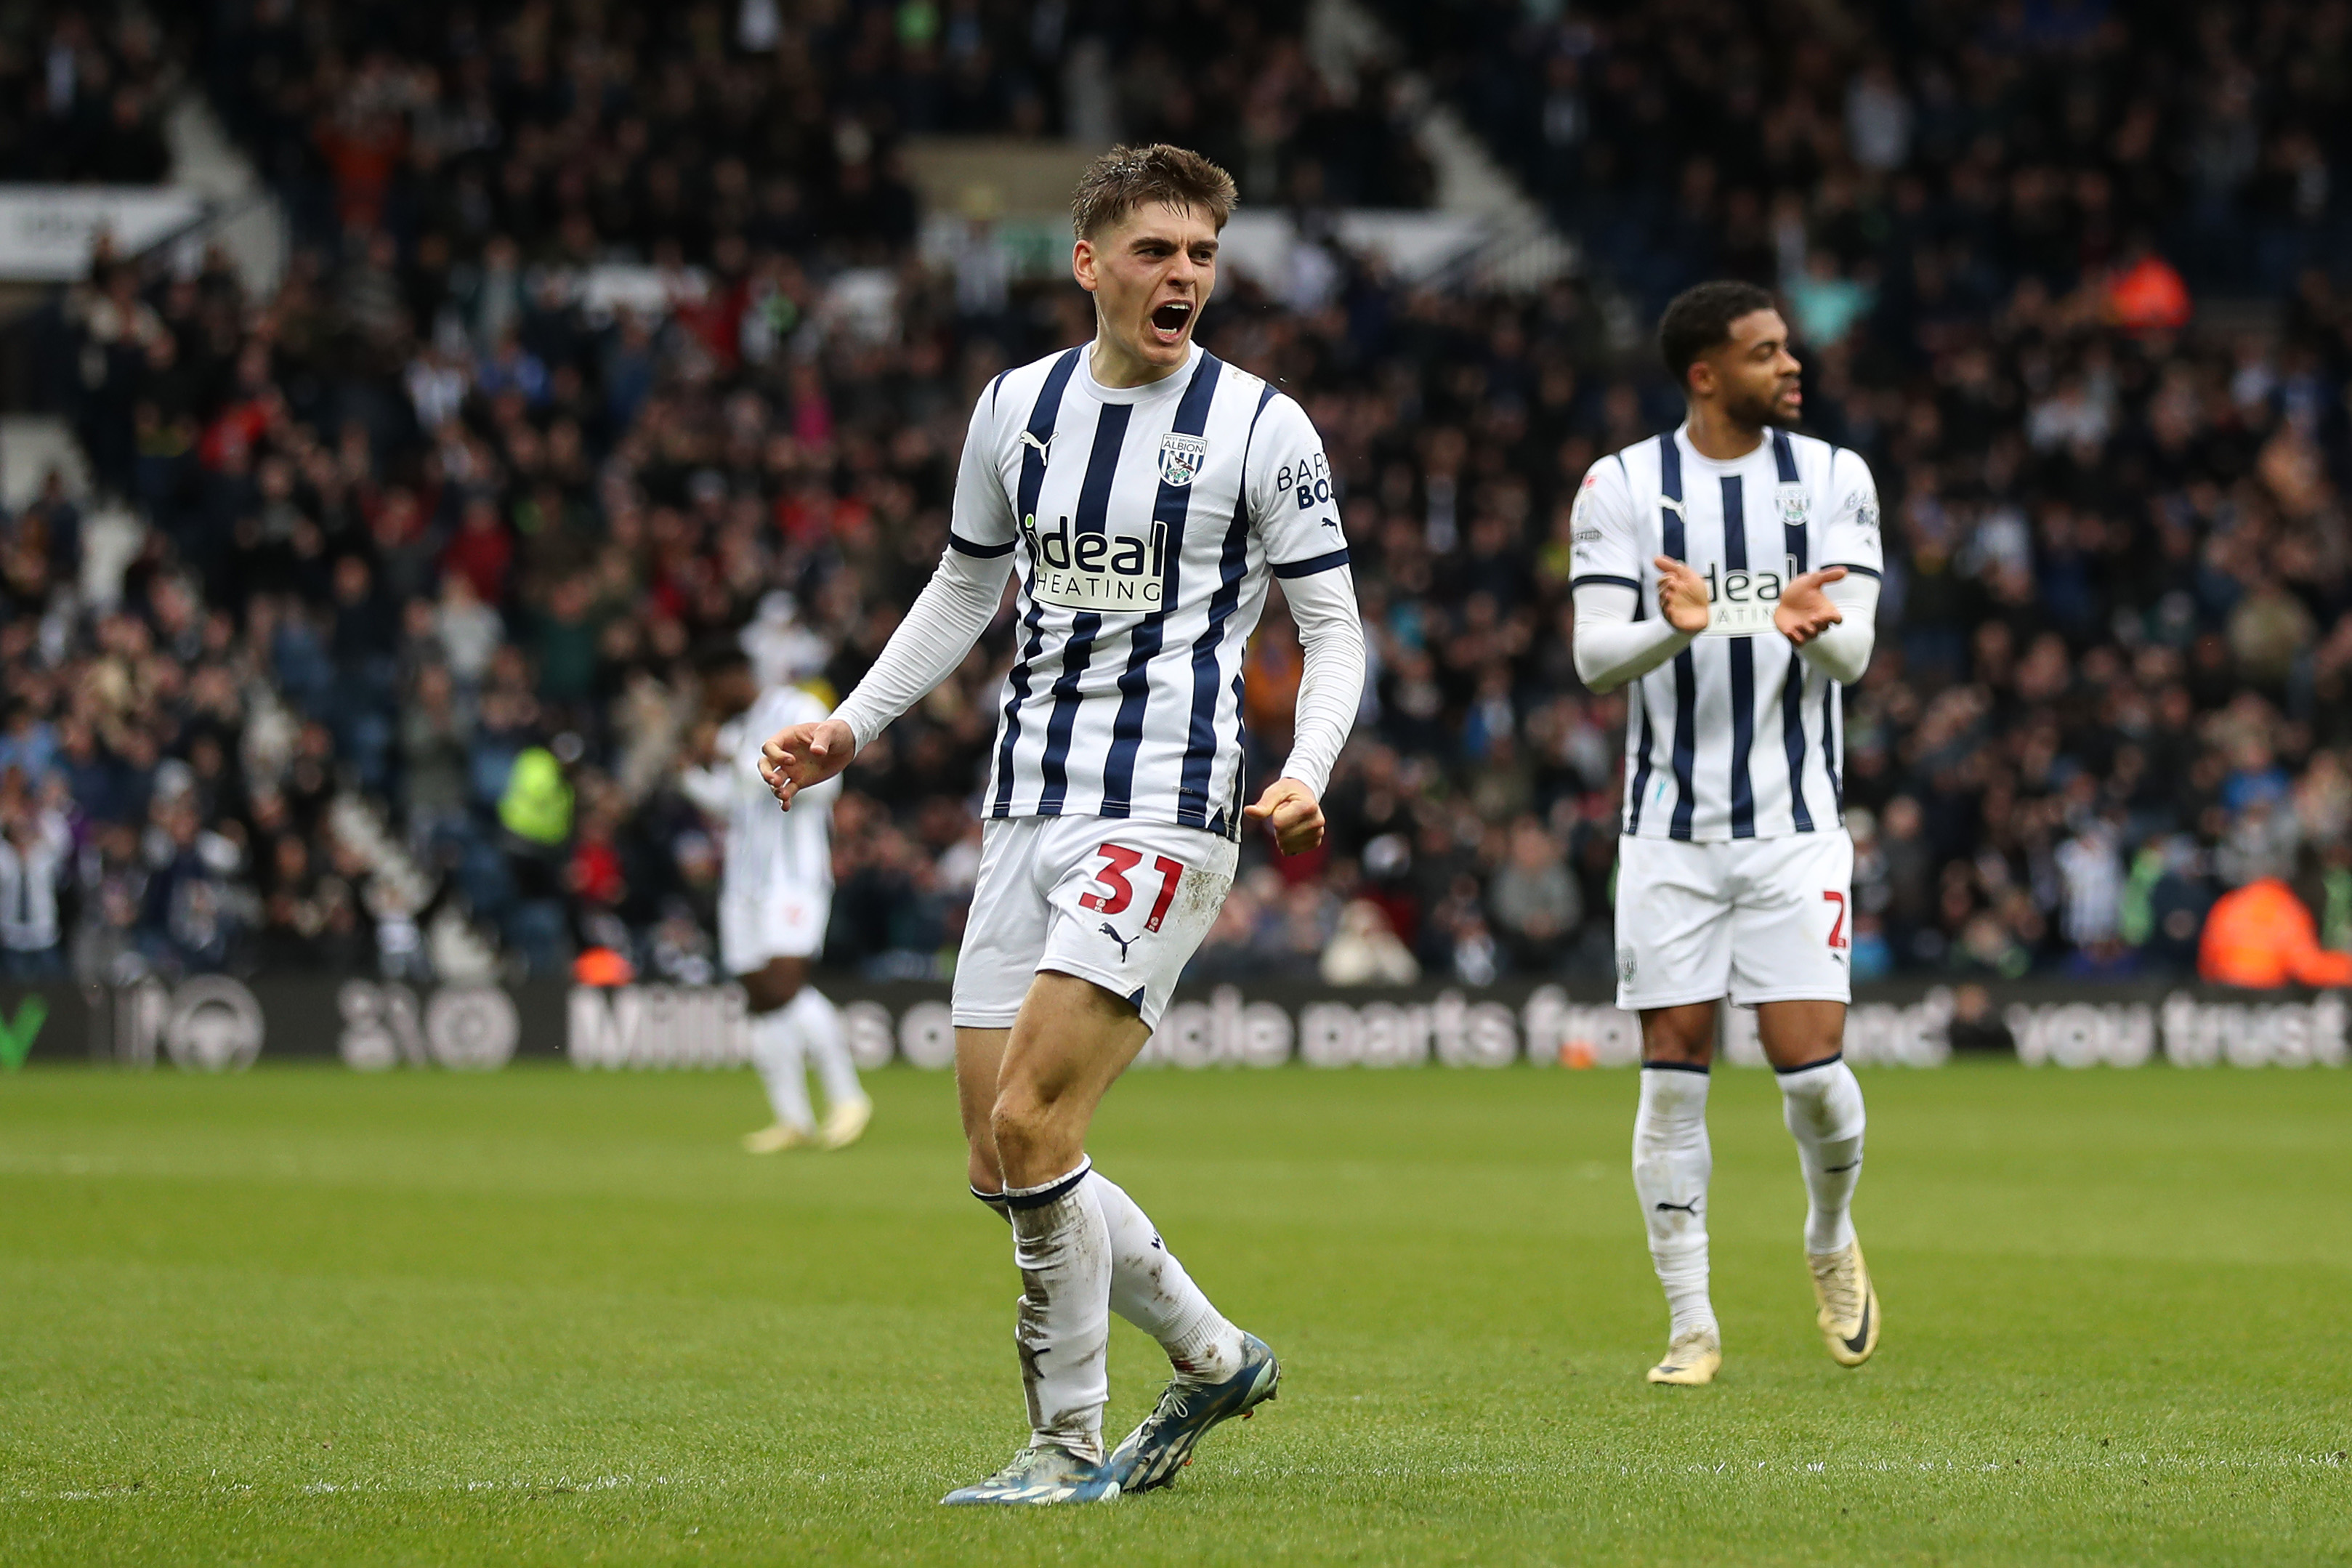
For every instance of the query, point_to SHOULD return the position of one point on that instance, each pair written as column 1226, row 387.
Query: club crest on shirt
column 1181, row 458
column 1793, row 505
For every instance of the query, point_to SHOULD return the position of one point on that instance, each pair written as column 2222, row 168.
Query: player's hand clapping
column 1290, row 808
column 805, row 755
column 1681, row 594
column 1805, row 612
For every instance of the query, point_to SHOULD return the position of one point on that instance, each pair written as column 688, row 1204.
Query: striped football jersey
column 1143, row 523
column 769, row 848
column 1737, row 736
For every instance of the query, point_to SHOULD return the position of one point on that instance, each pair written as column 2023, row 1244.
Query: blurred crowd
column 83, row 96
column 1933, row 150
column 714, row 133
column 435, row 530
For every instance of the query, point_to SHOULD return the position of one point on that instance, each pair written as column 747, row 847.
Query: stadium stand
column 83, row 102
column 604, row 332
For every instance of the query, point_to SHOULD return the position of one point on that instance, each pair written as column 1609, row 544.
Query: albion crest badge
column 1793, row 505
column 1181, row 458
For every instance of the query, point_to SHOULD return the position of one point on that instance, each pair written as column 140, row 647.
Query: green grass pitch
column 542, row 1317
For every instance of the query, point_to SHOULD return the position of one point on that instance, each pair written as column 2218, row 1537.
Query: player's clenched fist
column 1290, row 807
column 1805, row 612
column 1681, row 594
column 805, row 755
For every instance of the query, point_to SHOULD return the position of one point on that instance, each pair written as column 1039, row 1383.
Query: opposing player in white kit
column 1757, row 551
column 776, row 895
column 1144, row 492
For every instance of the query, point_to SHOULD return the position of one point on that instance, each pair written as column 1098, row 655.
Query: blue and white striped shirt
column 1143, row 523
column 1736, row 736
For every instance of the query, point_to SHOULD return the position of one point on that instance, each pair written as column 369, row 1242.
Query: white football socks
column 1150, row 1290
column 1063, row 1249
column 1822, row 1106
column 1672, row 1162
column 776, row 1052
column 826, row 1045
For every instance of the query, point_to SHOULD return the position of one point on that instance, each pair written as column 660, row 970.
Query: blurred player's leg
column 1672, row 1164
column 824, row 1046
column 776, row 1054
column 772, row 986
column 1822, row 1102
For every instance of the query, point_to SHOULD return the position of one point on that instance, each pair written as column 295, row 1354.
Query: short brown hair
column 1125, row 178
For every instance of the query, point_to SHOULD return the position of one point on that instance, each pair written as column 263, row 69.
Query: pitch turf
column 305, row 1317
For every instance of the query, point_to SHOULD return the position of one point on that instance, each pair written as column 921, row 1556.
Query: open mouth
column 1168, row 321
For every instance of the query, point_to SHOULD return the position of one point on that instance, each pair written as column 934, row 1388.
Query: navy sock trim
column 1832, row 1056
column 1701, row 1069
column 994, row 1200
column 1038, row 1197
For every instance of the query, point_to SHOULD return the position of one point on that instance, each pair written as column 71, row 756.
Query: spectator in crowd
column 36, row 845
column 1534, row 899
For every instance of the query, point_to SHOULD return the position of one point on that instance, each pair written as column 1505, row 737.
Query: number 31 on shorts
column 1119, row 892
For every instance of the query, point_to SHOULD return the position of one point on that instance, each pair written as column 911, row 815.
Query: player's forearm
column 1331, row 678
column 1611, row 648
column 707, row 788
column 1842, row 652
column 955, row 608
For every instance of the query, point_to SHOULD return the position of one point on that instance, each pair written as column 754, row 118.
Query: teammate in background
column 1144, row 492
column 776, row 895
column 1758, row 550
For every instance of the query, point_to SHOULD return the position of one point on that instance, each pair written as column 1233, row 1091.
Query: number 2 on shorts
column 1837, row 926
column 1117, row 861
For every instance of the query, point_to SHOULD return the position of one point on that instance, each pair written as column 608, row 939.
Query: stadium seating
column 439, row 501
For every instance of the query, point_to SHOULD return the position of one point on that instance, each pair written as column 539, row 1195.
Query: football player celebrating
column 1728, row 571
column 1144, row 493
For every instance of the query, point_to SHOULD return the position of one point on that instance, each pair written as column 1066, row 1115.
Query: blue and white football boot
column 1043, row 1473
column 1162, row 1445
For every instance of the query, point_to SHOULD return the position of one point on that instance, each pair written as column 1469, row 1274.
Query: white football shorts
column 771, row 922
column 1757, row 920
column 1120, row 902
